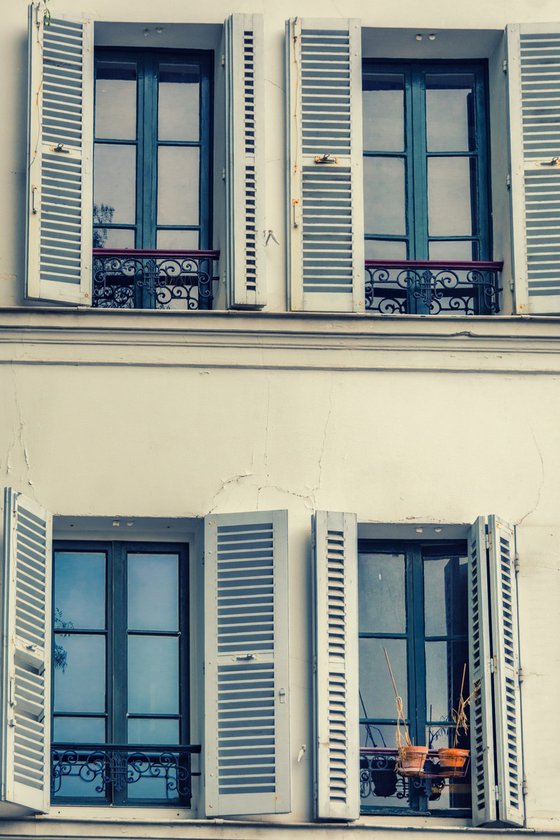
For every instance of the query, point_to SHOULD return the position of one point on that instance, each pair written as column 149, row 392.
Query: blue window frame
column 426, row 180
column 120, row 674
column 413, row 604
column 152, row 165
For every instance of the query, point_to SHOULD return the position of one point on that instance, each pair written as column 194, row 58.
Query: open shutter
column 534, row 103
column 507, row 706
column 26, row 638
column 59, row 176
column 246, row 750
column 245, row 174
column 325, row 186
column 336, row 706
column 482, row 737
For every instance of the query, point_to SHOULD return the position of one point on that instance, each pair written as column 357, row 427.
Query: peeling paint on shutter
column 534, row 104
column 245, row 175
column 26, row 654
column 481, row 729
column 59, row 200
column 325, row 188
column 247, row 766
column 507, row 706
column 336, row 707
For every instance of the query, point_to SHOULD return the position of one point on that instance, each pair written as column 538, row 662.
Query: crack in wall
column 17, row 443
column 541, row 482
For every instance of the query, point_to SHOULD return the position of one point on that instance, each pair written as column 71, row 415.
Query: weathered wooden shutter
column 482, row 735
column 26, row 640
column 505, row 640
column 534, row 103
column 245, row 164
column 59, row 176
column 325, row 186
column 336, row 703
column 246, row 749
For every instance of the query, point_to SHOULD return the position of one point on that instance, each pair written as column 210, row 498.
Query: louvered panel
column 60, row 150
column 534, row 81
column 481, row 729
column 26, row 700
column 507, row 708
column 326, row 223
column 247, row 760
column 245, row 151
column 336, row 672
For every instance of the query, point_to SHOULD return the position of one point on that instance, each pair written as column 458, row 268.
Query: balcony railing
column 433, row 288
column 122, row 774
column 150, row 279
column 380, row 776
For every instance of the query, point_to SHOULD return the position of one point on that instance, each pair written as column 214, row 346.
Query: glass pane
column 444, row 670
column 385, row 249
column 153, row 675
column 114, row 190
column 181, row 240
column 149, row 731
column 178, row 184
column 458, row 251
column 113, row 237
column 79, row 673
column 376, row 687
column 450, row 123
column 178, row 106
column 115, row 100
column 379, row 783
column 79, row 730
column 152, row 779
column 153, row 591
column 83, row 778
column 451, row 184
column 445, row 596
column 384, row 193
column 383, row 106
column 79, row 590
column 381, row 593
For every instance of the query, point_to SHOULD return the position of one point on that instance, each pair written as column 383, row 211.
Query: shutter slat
column 245, row 175
column 534, row 90
column 324, row 102
column 60, row 123
column 246, row 661
column 27, row 622
column 336, row 705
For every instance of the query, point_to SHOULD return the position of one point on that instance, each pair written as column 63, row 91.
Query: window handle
column 246, row 658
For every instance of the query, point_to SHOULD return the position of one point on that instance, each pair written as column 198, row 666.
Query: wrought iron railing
column 433, row 288
column 108, row 772
column 380, row 775
column 150, row 279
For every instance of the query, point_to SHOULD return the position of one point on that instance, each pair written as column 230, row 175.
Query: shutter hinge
column 508, row 181
column 520, row 675
column 524, row 786
column 223, row 60
column 493, row 665
column 497, row 791
column 223, row 173
column 505, row 65
column 487, row 541
column 516, row 563
column 314, row 664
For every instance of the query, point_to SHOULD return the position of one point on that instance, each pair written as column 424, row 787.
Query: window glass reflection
column 384, row 194
column 115, row 100
column 79, row 673
column 114, row 183
column 153, row 591
column 450, row 125
column 451, row 183
column 381, row 593
column 178, row 183
column 79, row 590
column 178, row 105
column 375, row 683
column 153, row 675
column 383, row 112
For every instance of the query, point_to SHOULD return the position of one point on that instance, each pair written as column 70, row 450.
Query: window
column 120, row 674
column 413, row 605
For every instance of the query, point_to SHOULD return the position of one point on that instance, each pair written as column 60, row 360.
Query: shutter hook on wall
column 555, row 161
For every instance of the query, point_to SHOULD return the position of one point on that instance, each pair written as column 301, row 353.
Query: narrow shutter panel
column 325, row 165
column 534, row 104
column 26, row 654
column 245, row 174
column 336, row 708
column 59, row 200
column 246, row 751
column 507, row 707
column 482, row 738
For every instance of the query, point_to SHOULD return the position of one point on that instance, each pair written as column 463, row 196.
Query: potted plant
column 410, row 761
column 453, row 760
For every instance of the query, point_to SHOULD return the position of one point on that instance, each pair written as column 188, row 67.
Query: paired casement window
column 149, row 185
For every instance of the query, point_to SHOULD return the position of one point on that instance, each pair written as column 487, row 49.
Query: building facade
column 280, row 364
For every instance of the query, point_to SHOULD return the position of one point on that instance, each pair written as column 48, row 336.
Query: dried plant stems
column 400, row 707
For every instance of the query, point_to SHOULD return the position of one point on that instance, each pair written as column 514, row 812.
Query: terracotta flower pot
column 411, row 760
column 452, row 760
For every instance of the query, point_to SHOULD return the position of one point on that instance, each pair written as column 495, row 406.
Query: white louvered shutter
column 507, row 706
column 245, row 175
column 26, row 618
column 336, row 699
column 246, row 749
column 325, row 186
column 534, row 105
column 481, row 728
column 59, row 177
